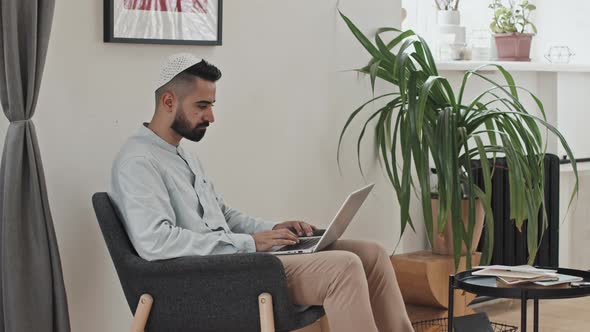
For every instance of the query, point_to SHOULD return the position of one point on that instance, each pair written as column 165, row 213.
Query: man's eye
column 203, row 107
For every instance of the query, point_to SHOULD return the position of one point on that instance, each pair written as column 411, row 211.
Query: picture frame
column 180, row 22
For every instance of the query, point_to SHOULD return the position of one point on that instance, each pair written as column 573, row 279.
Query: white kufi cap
column 174, row 65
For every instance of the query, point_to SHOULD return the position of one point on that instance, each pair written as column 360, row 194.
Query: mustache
column 203, row 125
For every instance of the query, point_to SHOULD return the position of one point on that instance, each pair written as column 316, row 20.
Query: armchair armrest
column 211, row 292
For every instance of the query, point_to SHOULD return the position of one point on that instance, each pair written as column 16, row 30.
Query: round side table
column 487, row 286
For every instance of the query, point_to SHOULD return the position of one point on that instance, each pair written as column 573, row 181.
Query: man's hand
column 301, row 227
column 277, row 237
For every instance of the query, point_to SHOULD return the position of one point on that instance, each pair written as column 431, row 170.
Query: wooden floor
column 572, row 315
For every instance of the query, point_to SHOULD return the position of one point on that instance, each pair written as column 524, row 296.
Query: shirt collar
column 147, row 133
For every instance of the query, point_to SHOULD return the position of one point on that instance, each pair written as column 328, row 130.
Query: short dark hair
column 203, row 70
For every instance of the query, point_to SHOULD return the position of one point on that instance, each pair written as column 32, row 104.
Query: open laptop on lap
column 334, row 231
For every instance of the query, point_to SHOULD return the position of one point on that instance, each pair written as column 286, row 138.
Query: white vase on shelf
column 448, row 17
column 450, row 36
column 481, row 42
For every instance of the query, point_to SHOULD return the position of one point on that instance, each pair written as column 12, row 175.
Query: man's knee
column 346, row 259
column 347, row 271
column 370, row 252
column 347, row 263
column 375, row 248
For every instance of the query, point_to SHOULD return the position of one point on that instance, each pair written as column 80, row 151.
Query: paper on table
column 519, row 268
column 509, row 274
column 516, row 281
column 563, row 279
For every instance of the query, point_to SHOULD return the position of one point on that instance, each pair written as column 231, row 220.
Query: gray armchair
column 240, row 292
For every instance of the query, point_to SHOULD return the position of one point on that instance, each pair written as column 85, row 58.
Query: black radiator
column 510, row 245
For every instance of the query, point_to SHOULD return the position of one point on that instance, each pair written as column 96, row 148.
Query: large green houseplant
column 429, row 124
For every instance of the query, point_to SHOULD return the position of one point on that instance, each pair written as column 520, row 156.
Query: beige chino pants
column 356, row 284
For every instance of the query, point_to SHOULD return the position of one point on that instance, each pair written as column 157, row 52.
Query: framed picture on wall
column 187, row 22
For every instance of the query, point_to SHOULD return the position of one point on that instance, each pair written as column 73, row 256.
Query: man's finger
column 300, row 231
column 287, row 234
column 283, row 232
column 283, row 242
column 306, row 228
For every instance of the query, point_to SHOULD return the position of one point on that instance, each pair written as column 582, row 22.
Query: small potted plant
column 510, row 26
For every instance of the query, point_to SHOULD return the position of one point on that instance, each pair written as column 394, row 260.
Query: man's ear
column 168, row 100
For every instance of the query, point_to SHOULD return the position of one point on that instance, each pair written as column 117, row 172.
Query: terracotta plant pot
column 443, row 243
column 514, row 46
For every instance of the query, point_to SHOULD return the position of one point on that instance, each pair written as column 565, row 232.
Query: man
column 171, row 209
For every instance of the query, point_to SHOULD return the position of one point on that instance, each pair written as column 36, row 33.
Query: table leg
column 523, row 302
column 536, row 316
column 451, row 302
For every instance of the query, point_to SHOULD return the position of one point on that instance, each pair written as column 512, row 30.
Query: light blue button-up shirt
column 170, row 208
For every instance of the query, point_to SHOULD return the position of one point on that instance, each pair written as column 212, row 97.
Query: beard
column 183, row 128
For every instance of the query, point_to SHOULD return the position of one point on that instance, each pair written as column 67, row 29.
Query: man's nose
column 209, row 115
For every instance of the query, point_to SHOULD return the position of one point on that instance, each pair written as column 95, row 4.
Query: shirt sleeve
column 239, row 222
column 140, row 193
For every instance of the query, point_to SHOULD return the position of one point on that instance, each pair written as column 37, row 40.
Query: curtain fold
column 32, row 291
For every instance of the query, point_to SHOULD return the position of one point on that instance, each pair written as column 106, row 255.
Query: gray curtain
column 31, row 282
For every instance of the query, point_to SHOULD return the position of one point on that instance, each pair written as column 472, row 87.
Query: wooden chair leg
column 142, row 313
column 267, row 320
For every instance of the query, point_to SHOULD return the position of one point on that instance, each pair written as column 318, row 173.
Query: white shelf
column 513, row 66
column 582, row 168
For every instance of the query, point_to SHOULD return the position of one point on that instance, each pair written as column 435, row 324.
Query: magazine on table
column 520, row 272
column 515, row 275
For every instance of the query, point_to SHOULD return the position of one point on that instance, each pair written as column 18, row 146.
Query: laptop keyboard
column 303, row 244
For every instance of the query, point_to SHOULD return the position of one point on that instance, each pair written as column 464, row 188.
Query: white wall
column 281, row 104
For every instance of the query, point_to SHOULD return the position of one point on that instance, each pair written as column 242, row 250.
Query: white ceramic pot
column 451, row 34
column 449, row 17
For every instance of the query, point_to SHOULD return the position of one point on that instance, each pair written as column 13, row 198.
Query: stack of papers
column 561, row 279
column 513, row 275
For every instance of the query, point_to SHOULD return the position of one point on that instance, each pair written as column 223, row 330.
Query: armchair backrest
column 112, row 228
column 120, row 248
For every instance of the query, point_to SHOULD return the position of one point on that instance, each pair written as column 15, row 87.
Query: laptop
column 348, row 210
